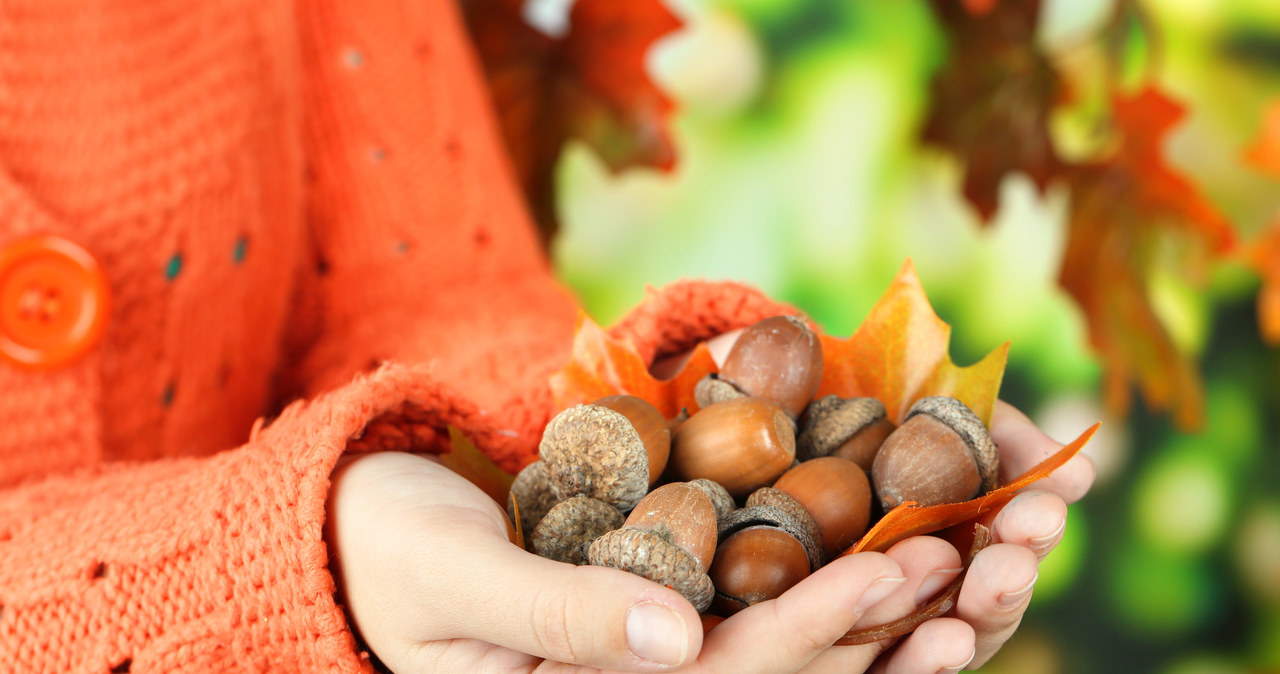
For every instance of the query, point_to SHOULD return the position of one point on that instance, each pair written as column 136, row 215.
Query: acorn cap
column 768, row 496
column 532, row 493
column 831, row 420
column 773, row 516
column 569, row 527
column 589, row 450
column 647, row 554
column 720, row 497
column 711, row 389
column 970, row 428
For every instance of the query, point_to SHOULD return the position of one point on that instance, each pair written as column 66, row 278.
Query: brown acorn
column 942, row 453
column 778, row 358
column 593, row 450
column 850, row 428
column 570, row 526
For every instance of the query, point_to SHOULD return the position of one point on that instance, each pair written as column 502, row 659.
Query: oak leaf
column 991, row 100
column 1127, row 212
column 589, row 84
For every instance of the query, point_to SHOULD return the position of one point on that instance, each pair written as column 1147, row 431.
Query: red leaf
column 590, row 85
column 899, row 355
column 1123, row 211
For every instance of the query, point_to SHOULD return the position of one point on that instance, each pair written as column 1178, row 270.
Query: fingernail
column 1009, row 599
column 1041, row 544
column 876, row 592
column 656, row 633
column 955, row 668
column 934, row 582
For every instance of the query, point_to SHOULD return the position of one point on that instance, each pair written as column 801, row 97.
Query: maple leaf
column 991, row 100
column 465, row 459
column 600, row 365
column 1122, row 210
column 589, row 85
column 899, row 355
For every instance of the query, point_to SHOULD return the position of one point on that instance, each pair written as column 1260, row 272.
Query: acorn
column 942, row 453
column 570, row 526
column 778, row 358
column 743, row 444
column 531, row 491
column 837, row 493
column 669, row 538
column 598, row 451
column 763, row 552
column 850, row 428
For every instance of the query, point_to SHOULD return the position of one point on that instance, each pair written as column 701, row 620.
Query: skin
column 431, row 583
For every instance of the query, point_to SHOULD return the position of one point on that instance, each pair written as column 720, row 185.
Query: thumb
column 586, row 615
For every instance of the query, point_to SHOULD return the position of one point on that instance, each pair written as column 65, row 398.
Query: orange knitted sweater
column 312, row 244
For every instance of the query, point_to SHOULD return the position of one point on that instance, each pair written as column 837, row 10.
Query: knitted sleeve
column 425, row 303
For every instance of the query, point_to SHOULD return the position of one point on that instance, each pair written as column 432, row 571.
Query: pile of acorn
column 740, row 501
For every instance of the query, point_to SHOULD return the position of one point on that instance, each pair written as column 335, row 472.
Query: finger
column 939, row 645
column 1022, row 445
column 784, row 634
column 1035, row 520
column 584, row 615
column 929, row 564
column 995, row 595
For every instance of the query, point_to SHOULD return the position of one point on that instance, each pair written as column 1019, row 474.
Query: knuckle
column 552, row 611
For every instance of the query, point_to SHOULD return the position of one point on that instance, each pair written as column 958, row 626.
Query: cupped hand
column 432, row 584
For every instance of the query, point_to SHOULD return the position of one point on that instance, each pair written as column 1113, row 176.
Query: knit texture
column 315, row 246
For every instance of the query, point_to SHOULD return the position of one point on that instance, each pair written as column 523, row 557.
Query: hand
column 432, row 584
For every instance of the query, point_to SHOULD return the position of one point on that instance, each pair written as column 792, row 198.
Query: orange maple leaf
column 1264, row 153
column 899, row 355
column 590, row 84
column 600, row 365
column 1122, row 209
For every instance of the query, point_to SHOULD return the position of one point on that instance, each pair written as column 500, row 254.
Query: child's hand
column 433, row 585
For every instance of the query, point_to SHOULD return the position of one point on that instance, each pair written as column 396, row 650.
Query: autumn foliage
column 1132, row 213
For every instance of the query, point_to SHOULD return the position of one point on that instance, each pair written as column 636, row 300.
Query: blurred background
column 802, row 171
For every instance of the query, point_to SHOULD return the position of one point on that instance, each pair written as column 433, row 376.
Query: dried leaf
column 997, row 83
column 899, row 355
column 1123, row 212
column 590, row 84
column 909, row 520
column 600, row 366
column 465, row 459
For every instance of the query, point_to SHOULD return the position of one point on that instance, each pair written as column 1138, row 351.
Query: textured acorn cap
column 711, row 389
column 589, row 450
column 647, row 554
column 773, row 516
column 970, row 428
column 768, row 496
column 831, row 420
column 569, row 527
column 532, row 493
column 720, row 497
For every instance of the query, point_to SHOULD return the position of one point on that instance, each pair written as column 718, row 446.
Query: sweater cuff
column 211, row 564
column 678, row 316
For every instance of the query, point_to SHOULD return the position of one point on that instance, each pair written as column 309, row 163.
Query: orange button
column 54, row 301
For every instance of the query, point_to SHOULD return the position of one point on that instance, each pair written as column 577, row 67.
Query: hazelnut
column 941, row 454
column 570, row 526
column 651, row 426
column 778, row 358
column 669, row 538
column 837, row 493
column 754, row 565
column 743, row 444
column 531, row 491
column 850, row 428
column 591, row 450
